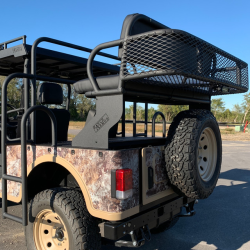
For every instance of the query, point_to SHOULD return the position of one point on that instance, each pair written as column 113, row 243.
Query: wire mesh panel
column 174, row 58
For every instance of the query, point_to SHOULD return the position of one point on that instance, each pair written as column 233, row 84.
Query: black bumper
column 152, row 218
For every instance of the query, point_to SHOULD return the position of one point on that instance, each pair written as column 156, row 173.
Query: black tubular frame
column 22, row 179
column 27, row 112
column 135, row 134
column 163, row 123
column 126, row 77
column 97, row 91
column 58, row 80
column 120, row 89
column 4, row 143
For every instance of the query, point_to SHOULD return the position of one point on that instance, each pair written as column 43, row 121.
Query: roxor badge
column 101, row 123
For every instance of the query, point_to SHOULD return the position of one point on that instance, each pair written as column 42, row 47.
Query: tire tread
column 180, row 152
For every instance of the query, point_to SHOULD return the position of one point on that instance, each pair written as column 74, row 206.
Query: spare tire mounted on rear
column 193, row 153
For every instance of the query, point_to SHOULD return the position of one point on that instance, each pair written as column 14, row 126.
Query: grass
column 77, row 124
column 228, row 131
column 140, row 129
column 70, row 137
column 129, row 127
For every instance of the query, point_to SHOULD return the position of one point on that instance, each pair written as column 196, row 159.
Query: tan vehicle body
column 92, row 171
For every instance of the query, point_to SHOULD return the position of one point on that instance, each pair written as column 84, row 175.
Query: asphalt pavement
column 221, row 222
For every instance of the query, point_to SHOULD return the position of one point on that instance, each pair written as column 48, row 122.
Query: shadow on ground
column 10, row 204
column 221, row 222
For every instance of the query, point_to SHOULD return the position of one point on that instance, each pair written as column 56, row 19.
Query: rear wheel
column 59, row 220
column 193, row 153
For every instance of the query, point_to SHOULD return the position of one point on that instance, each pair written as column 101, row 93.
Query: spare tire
column 193, row 153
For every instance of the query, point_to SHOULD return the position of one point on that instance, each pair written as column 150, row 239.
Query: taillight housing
column 122, row 182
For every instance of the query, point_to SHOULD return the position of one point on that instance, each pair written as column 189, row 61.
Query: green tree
column 246, row 106
column 226, row 115
column 237, row 110
column 217, row 105
column 129, row 113
column 79, row 104
column 140, row 113
column 13, row 91
column 170, row 111
column 151, row 112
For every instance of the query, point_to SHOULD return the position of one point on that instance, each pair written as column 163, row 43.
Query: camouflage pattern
column 94, row 167
column 155, row 159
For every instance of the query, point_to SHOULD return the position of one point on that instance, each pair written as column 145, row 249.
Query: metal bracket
column 189, row 210
column 95, row 134
column 135, row 243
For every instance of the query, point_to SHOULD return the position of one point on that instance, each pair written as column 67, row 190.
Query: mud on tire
column 67, row 205
column 193, row 167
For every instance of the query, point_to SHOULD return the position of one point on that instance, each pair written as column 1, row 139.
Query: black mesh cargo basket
column 177, row 59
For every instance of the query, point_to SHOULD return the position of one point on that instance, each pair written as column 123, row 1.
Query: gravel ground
column 222, row 221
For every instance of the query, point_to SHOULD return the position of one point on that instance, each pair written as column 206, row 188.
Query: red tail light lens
column 124, row 183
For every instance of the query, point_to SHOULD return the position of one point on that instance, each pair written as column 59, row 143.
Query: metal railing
column 4, row 45
column 145, row 122
column 23, row 178
column 163, row 124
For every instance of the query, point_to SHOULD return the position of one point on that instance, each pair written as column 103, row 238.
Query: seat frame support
column 95, row 134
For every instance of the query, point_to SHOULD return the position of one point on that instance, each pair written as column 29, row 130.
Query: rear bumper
column 152, row 218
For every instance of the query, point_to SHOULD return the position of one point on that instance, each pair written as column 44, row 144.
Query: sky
column 223, row 23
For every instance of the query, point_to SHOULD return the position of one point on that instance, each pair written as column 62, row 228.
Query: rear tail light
column 123, row 179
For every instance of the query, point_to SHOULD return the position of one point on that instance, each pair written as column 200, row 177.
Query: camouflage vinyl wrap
column 155, row 159
column 94, row 167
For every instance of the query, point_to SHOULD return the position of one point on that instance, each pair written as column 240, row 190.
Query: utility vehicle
column 106, row 186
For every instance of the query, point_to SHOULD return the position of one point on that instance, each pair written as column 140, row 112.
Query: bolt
column 196, row 202
column 134, row 243
column 131, row 232
column 124, row 225
column 124, row 232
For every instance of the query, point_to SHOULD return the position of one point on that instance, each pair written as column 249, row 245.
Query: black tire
column 182, row 150
column 68, row 203
column 165, row 226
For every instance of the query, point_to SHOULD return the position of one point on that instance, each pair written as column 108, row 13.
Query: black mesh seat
column 153, row 55
column 50, row 93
